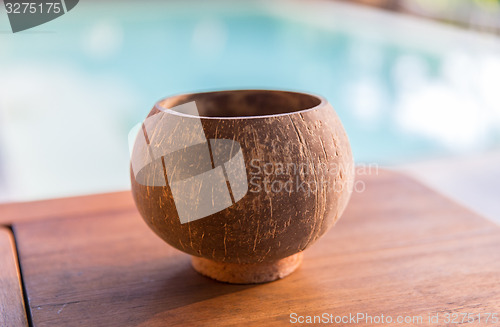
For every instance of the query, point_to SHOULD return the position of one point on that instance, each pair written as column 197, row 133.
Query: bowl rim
column 323, row 102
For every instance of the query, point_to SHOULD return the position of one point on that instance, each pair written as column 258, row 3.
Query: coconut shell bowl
column 243, row 181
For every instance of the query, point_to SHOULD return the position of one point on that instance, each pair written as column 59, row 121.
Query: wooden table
column 399, row 250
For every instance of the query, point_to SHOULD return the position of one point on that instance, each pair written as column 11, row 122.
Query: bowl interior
column 245, row 103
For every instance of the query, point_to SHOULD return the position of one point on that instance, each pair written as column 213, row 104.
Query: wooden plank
column 12, row 310
column 65, row 207
column 399, row 250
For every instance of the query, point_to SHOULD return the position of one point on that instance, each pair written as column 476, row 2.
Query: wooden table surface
column 400, row 249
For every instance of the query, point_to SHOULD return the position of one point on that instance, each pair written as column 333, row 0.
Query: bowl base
column 250, row 273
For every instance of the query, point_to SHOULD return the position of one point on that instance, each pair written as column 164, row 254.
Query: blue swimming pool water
column 79, row 83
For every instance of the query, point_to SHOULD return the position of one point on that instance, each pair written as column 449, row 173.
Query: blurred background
column 415, row 82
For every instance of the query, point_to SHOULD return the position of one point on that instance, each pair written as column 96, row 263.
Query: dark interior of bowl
column 245, row 103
